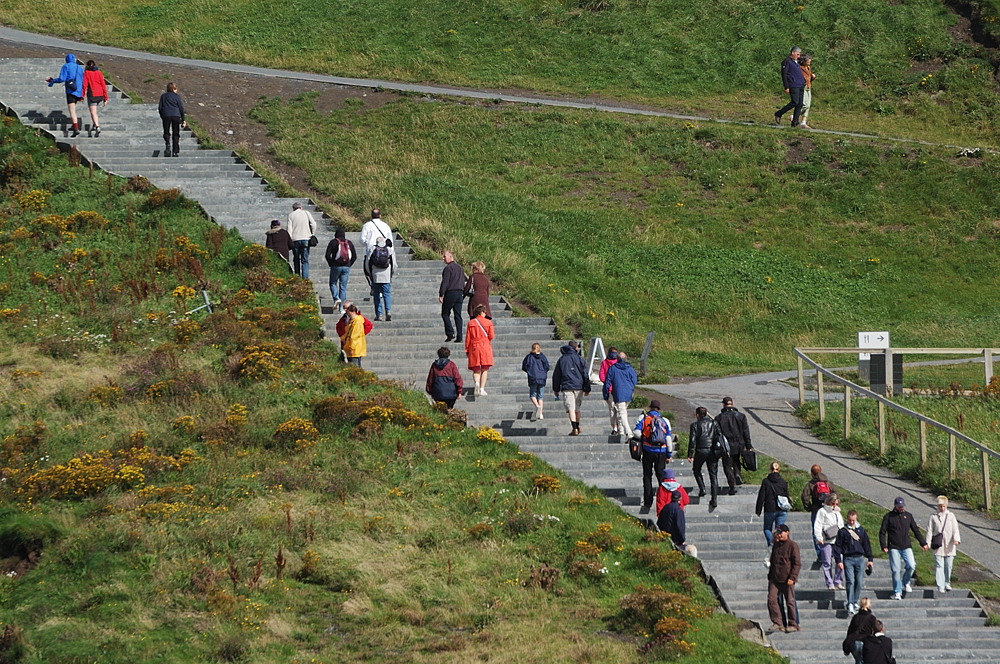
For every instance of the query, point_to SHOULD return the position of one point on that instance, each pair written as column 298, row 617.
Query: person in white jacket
column 301, row 226
column 945, row 524
column 829, row 521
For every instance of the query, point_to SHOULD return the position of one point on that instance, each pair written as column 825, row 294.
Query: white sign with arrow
column 874, row 340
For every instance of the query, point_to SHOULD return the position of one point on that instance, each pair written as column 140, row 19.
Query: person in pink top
column 606, row 363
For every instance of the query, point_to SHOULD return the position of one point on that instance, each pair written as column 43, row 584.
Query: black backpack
column 381, row 258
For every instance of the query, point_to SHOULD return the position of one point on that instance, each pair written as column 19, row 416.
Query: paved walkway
column 22, row 37
column 778, row 433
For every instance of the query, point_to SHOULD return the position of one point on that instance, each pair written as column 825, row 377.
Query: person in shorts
column 571, row 378
column 95, row 90
column 71, row 76
column 536, row 365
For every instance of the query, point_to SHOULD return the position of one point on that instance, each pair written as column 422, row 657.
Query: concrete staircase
column 131, row 143
column 926, row 627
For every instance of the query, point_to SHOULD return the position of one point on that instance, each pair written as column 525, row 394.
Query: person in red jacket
column 669, row 484
column 95, row 91
column 444, row 383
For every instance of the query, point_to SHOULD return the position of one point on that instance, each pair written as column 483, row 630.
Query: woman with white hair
column 944, row 538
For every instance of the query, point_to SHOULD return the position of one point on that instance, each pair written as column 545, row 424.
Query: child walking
column 536, row 365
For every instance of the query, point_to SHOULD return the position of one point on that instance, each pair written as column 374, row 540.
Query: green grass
column 746, row 242
column 891, row 68
column 142, row 455
column 977, row 417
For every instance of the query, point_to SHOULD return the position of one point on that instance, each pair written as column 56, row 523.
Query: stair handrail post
column 645, row 352
column 596, row 353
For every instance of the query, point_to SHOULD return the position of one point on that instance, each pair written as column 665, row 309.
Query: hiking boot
column 574, row 432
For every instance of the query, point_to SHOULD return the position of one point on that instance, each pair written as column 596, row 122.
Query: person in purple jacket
column 795, row 83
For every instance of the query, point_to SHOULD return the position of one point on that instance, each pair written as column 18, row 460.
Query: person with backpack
column 943, row 535
column 278, row 240
column 374, row 228
column 479, row 348
column 381, row 264
column 301, row 226
column 536, row 365
column 850, row 550
column 340, row 256
column 735, row 428
column 814, row 495
column 444, row 382
column 571, row 378
column 894, row 536
column 668, row 487
column 619, row 386
column 772, row 501
column 705, row 446
column 71, row 76
column 671, row 520
column 825, row 530
column 95, row 91
column 657, row 439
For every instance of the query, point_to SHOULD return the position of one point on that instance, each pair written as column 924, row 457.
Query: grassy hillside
column 898, row 68
column 734, row 244
column 218, row 488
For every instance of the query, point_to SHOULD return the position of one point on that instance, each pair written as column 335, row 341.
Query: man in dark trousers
column 450, row 295
column 735, row 428
column 894, row 536
column 795, row 84
column 705, row 446
column 782, row 574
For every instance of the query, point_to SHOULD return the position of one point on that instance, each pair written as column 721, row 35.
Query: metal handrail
column 883, row 403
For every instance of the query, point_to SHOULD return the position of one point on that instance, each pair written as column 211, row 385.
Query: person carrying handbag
column 942, row 531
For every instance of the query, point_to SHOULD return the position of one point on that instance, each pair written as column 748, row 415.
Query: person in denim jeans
column 340, row 256
column 894, row 536
column 774, row 485
column 301, row 226
column 850, row 550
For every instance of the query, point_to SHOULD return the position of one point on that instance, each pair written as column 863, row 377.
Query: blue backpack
column 656, row 431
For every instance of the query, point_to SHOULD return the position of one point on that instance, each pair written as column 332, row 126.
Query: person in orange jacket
column 479, row 348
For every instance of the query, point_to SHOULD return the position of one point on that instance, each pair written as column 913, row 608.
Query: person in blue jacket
column 571, row 378
column 71, row 76
column 536, row 365
column 619, row 384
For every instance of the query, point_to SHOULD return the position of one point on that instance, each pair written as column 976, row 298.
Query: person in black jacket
column 850, row 550
column 877, row 648
column 735, row 428
column 171, row 110
column 862, row 625
column 450, row 295
column 705, row 446
column 894, row 536
column 340, row 256
column 278, row 240
column 672, row 521
column 571, row 378
column 774, row 485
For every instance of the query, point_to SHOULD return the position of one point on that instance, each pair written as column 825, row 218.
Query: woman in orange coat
column 478, row 335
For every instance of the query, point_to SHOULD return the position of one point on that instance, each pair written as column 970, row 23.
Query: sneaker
column 76, row 132
column 947, row 587
column 645, row 508
column 841, row 586
column 940, row 590
column 775, row 627
column 541, row 416
column 177, row 154
column 614, row 432
column 851, row 609
column 97, row 132
column 908, row 588
column 377, row 318
column 388, row 317
column 767, row 562
column 831, row 587
column 482, row 390
column 896, row 596
column 336, row 305
column 793, row 628
column 475, row 391
column 777, row 119
column 574, row 432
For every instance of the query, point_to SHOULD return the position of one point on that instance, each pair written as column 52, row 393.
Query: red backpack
column 343, row 256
